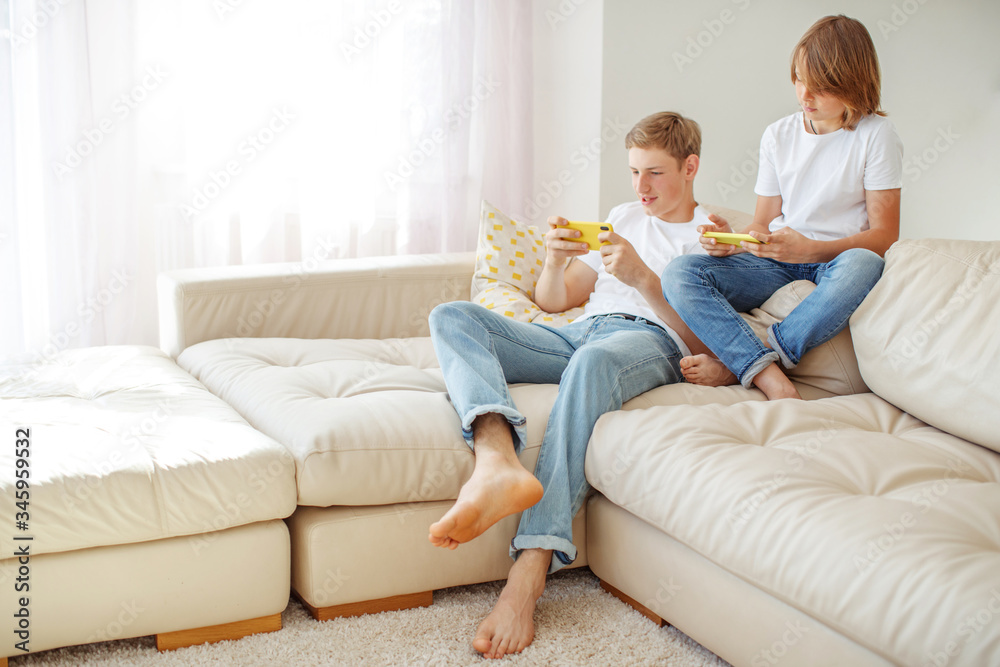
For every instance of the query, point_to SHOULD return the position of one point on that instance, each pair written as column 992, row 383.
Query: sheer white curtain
column 149, row 136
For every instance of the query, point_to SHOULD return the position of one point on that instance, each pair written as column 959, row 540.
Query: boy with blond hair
column 628, row 341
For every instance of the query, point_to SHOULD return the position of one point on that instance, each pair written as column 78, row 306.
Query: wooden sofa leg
column 394, row 603
column 169, row 641
column 3, row 662
column 642, row 609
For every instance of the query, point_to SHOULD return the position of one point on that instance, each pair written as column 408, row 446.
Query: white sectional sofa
column 149, row 505
column 841, row 530
column 859, row 527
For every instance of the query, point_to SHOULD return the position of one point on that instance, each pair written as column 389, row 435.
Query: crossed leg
column 499, row 486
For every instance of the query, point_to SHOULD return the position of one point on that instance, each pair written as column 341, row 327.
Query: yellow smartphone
column 589, row 232
column 730, row 238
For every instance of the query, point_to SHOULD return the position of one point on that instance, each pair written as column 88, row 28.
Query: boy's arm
column 768, row 208
column 788, row 245
column 883, row 225
column 563, row 283
column 623, row 262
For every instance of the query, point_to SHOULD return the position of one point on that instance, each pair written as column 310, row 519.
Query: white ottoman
column 379, row 457
column 149, row 505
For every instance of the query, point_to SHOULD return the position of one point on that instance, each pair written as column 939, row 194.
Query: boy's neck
column 822, row 126
column 683, row 212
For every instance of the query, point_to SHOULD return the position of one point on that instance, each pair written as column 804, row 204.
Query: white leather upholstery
column 926, row 336
column 380, row 297
column 859, row 515
column 742, row 623
column 145, row 588
column 369, row 422
column 342, row 555
column 126, row 447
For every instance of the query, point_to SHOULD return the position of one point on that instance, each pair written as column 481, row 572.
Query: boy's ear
column 691, row 164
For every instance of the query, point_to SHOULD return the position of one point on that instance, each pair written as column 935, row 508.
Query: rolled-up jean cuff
column 563, row 551
column 756, row 367
column 774, row 341
column 513, row 417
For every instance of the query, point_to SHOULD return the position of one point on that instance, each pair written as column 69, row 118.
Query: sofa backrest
column 927, row 340
column 373, row 297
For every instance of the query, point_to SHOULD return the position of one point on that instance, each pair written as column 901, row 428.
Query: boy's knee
column 678, row 272
column 443, row 314
column 863, row 261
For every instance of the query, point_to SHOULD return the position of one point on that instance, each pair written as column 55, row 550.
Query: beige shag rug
column 577, row 623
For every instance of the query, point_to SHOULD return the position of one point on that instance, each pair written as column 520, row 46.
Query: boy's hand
column 712, row 246
column 623, row 262
column 559, row 244
column 784, row 245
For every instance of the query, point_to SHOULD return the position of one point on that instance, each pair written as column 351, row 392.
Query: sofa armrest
column 376, row 297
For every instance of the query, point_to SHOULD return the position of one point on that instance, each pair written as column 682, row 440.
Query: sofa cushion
column 126, row 447
column 926, row 336
column 369, row 421
column 874, row 523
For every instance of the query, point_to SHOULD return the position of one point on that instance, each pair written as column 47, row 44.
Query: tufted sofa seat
column 860, row 529
column 147, row 496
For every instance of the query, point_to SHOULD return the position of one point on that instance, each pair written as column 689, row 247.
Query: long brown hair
column 836, row 56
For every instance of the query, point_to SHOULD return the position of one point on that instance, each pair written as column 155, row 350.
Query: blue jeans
column 710, row 292
column 599, row 363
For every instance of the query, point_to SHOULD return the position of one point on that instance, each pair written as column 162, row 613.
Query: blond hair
column 677, row 135
column 836, row 57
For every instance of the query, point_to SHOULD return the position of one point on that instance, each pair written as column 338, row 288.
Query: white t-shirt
column 656, row 242
column 822, row 178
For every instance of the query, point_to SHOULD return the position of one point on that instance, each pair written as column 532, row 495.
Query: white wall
column 567, row 102
column 941, row 86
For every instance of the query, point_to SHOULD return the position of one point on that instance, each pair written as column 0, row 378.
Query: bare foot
column 707, row 371
column 510, row 627
column 775, row 384
column 499, row 486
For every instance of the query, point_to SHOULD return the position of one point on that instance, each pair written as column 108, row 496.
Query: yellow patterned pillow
column 509, row 259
